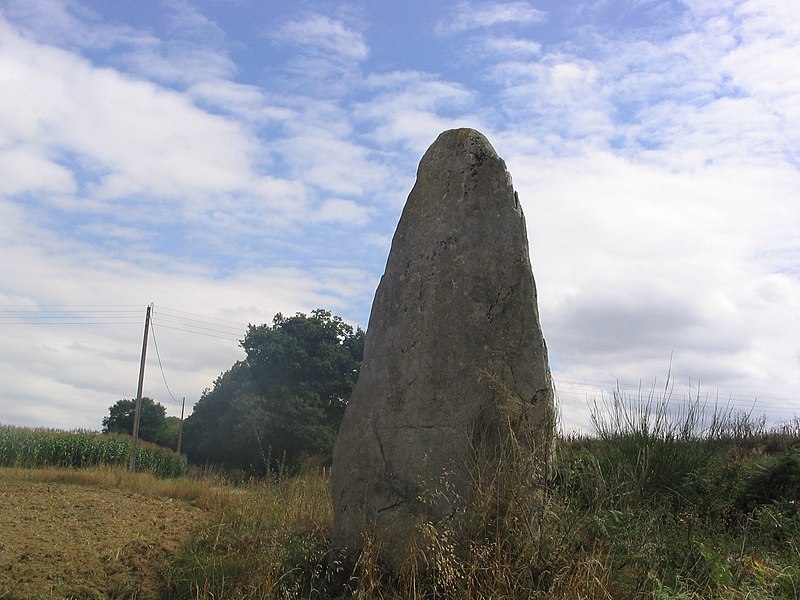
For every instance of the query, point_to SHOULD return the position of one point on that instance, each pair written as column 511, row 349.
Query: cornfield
column 33, row 448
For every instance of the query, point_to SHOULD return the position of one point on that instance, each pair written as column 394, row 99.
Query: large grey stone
column 455, row 364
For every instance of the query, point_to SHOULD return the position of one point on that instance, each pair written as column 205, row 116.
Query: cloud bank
column 230, row 167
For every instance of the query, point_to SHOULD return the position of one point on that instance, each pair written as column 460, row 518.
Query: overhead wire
column 567, row 387
column 68, row 314
column 202, row 317
column 200, row 324
column 589, row 392
column 195, row 332
column 160, row 364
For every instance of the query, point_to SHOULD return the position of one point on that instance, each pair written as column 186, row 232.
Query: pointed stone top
column 459, row 142
column 466, row 136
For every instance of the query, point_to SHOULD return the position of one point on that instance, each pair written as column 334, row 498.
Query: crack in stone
column 389, row 480
column 501, row 298
column 391, row 506
column 380, row 447
column 426, row 427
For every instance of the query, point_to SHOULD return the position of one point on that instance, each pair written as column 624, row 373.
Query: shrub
column 779, row 480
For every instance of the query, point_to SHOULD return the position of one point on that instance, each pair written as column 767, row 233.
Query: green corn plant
column 35, row 448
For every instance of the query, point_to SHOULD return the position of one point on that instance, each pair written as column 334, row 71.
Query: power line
column 101, row 314
column 160, row 365
column 71, row 323
column 642, row 386
column 68, row 314
column 195, row 332
column 642, row 396
column 212, row 329
column 60, row 306
column 199, row 324
column 203, row 317
column 576, row 386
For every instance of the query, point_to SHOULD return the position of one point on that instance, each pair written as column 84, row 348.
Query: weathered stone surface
column 454, row 355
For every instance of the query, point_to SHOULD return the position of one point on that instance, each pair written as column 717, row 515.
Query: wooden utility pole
column 180, row 425
column 135, row 438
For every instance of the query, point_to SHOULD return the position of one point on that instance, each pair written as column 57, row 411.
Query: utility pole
column 135, row 438
column 180, row 425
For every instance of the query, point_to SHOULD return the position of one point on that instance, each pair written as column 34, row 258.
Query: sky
column 226, row 160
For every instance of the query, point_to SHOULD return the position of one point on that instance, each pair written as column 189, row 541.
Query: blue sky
column 227, row 160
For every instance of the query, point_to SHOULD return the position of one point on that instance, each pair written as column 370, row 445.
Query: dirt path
column 70, row 541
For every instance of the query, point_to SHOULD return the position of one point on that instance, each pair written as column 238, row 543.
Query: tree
column 285, row 400
column 220, row 428
column 153, row 424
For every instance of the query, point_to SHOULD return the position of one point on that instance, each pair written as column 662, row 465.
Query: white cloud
column 412, row 107
column 475, row 16
column 25, row 171
column 511, row 46
column 176, row 63
column 558, row 98
column 635, row 262
column 189, row 54
column 133, row 139
column 658, row 171
column 348, row 212
column 186, row 20
column 246, row 102
column 60, row 363
column 331, row 162
column 325, row 37
column 71, row 24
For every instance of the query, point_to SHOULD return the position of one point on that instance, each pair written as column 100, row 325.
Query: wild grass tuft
column 670, row 498
column 268, row 540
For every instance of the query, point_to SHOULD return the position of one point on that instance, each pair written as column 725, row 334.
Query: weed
column 646, row 508
column 663, row 502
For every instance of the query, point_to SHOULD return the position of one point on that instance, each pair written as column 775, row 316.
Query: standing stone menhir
column 455, row 366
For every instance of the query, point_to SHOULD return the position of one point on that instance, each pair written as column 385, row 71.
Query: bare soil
column 71, row 541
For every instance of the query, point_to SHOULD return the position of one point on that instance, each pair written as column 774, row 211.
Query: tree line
column 283, row 403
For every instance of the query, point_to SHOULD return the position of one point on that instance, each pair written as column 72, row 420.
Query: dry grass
column 269, row 540
column 199, row 492
column 698, row 531
column 89, row 534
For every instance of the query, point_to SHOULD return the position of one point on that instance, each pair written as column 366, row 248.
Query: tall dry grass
column 656, row 504
column 660, row 503
column 270, row 539
column 202, row 492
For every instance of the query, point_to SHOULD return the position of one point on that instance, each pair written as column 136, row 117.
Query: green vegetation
column 269, row 539
column 667, row 500
column 284, row 402
column 154, row 424
column 36, row 448
column 660, row 512
column 661, row 503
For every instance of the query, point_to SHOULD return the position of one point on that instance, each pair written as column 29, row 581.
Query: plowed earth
column 71, row 541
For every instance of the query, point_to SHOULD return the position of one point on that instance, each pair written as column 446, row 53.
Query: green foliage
column 36, row 448
column 220, row 429
column 270, row 540
column 686, row 503
column 650, row 449
column 285, row 401
column 778, row 480
column 684, row 538
column 154, row 425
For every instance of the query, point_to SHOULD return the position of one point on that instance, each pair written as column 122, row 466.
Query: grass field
column 650, row 507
